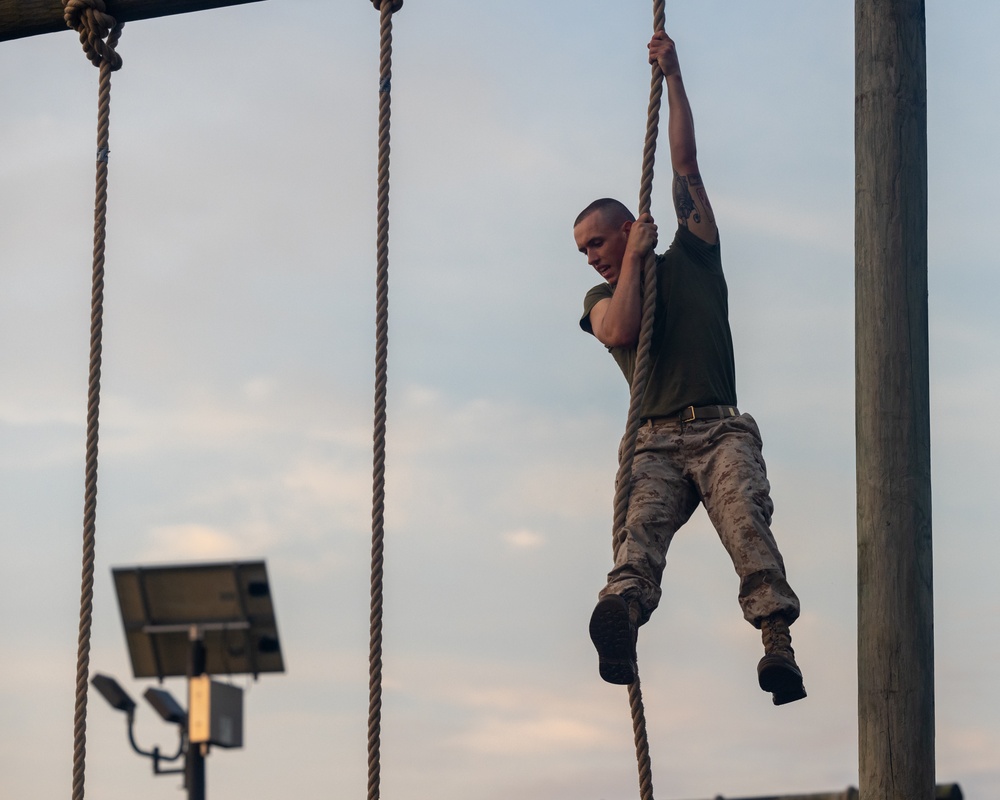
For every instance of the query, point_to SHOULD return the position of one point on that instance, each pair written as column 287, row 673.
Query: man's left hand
column 663, row 52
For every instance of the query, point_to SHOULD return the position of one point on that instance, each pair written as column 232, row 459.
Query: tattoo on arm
column 683, row 202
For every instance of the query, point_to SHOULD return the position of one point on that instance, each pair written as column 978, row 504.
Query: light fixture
column 166, row 706
column 195, row 620
column 116, row 696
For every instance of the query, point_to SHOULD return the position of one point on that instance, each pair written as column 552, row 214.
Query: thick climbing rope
column 640, row 378
column 386, row 9
column 99, row 34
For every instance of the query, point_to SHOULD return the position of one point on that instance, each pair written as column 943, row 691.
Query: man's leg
column 661, row 500
column 729, row 470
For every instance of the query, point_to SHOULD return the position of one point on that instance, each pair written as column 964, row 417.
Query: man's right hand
column 616, row 320
column 641, row 238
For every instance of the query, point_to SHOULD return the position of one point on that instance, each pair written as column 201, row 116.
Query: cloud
column 538, row 735
column 191, row 542
column 523, row 539
column 968, row 749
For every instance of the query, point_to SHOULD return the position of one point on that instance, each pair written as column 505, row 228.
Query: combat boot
column 613, row 630
column 777, row 671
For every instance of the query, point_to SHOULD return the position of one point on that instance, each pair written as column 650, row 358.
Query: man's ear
column 627, row 226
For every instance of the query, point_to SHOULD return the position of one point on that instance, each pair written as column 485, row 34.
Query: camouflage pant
column 718, row 463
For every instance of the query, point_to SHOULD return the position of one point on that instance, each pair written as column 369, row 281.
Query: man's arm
column 616, row 320
column 694, row 212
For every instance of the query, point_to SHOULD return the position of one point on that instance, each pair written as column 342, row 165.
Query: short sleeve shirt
column 692, row 347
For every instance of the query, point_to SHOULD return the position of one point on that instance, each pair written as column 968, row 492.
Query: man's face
column 603, row 244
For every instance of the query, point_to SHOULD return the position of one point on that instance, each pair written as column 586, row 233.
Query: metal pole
column 895, row 597
column 194, row 764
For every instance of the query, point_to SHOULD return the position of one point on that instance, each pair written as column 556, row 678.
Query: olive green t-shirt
column 692, row 346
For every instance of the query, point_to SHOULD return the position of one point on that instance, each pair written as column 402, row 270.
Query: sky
column 238, row 383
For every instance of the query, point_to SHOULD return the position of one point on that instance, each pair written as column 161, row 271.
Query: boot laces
column 776, row 636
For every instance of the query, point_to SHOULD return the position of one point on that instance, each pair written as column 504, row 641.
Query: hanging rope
column 386, row 9
column 99, row 34
column 640, row 378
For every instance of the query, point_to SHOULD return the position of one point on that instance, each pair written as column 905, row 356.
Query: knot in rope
column 395, row 5
column 99, row 31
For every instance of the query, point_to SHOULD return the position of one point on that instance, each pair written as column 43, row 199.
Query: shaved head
column 612, row 211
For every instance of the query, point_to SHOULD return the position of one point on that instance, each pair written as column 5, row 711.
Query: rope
column 386, row 9
column 99, row 34
column 640, row 378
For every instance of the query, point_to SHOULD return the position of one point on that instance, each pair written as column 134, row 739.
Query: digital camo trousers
column 717, row 462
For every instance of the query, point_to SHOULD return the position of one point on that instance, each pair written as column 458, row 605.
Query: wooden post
column 20, row 18
column 947, row 791
column 895, row 597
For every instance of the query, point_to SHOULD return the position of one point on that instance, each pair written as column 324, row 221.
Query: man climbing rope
column 693, row 445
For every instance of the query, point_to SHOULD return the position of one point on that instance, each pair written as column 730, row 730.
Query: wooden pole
column 895, row 597
column 947, row 791
column 20, row 18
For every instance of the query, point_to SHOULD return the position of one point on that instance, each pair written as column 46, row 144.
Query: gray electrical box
column 215, row 712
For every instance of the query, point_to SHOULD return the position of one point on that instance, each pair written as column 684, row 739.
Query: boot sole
column 781, row 678
column 611, row 633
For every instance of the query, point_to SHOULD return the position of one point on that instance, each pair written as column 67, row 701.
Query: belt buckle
column 684, row 415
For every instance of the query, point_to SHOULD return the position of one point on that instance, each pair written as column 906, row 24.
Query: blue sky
column 238, row 351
